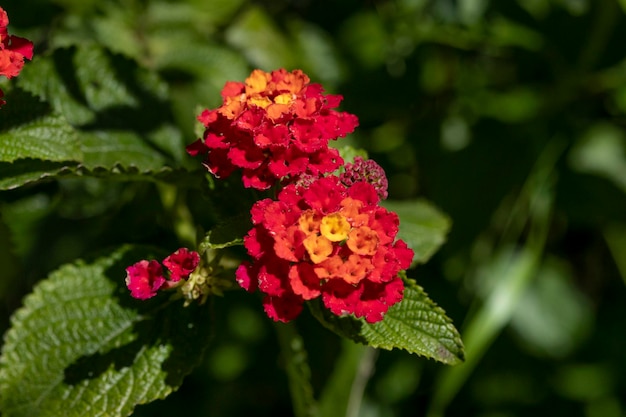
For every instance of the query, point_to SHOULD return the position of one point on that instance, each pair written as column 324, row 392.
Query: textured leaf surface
column 422, row 226
column 105, row 149
column 30, row 129
column 416, row 324
column 106, row 97
column 28, row 171
column 80, row 346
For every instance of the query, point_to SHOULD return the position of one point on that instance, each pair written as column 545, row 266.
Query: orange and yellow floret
column 328, row 240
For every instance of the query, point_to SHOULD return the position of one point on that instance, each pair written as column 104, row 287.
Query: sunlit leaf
column 422, row 226
column 30, row 129
column 119, row 148
column 416, row 324
column 81, row 346
column 28, row 171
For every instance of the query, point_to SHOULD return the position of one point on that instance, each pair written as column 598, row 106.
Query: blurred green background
column 510, row 116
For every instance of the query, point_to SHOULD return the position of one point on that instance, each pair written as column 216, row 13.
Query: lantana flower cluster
column 274, row 126
column 325, row 236
column 327, row 240
column 13, row 51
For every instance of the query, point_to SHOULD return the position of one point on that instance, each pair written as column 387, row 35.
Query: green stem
column 361, row 378
column 343, row 392
column 298, row 370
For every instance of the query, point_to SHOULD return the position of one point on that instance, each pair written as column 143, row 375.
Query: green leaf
column 228, row 233
column 260, row 40
column 105, row 116
column 601, row 151
column 88, row 84
column 27, row 171
column 317, row 53
column 422, row 226
column 30, row 129
column 108, row 148
column 348, row 153
column 81, row 346
column 365, row 36
column 416, row 324
column 119, row 109
column 547, row 328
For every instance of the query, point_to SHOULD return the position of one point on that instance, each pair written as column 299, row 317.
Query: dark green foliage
column 506, row 116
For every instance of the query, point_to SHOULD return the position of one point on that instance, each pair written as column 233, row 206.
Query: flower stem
column 298, row 370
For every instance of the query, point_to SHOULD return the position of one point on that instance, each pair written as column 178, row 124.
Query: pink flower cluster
column 145, row 278
column 274, row 126
column 13, row 50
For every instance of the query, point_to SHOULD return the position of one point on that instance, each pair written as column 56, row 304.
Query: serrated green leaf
column 44, row 77
column 85, row 80
column 27, row 171
column 81, row 346
column 416, row 324
column 119, row 109
column 30, row 129
column 107, row 148
column 422, row 226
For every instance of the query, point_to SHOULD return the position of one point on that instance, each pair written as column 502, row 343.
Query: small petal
column 181, row 263
column 144, row 279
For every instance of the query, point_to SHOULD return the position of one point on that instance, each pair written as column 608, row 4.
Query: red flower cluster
column 274, row 125
column 326, row 240
column 145, row 278
column 13, row 50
